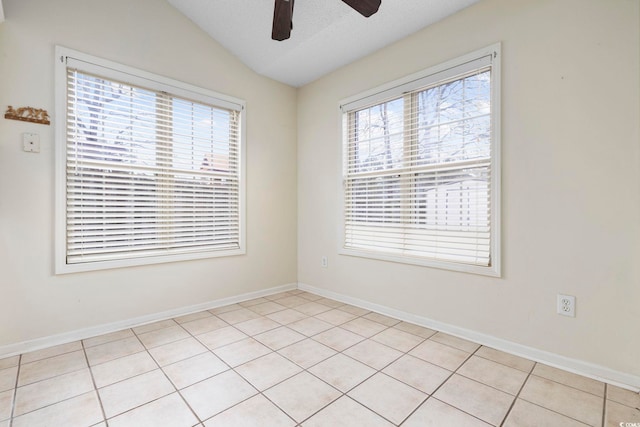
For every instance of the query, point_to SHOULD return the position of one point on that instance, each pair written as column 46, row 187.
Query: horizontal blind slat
column 148, row 173
column 417, row 168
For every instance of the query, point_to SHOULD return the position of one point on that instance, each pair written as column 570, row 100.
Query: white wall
column 571, row 175
column 151, row 35
column 570, row 185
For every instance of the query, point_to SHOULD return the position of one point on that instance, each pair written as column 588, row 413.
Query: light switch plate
column 31, row 142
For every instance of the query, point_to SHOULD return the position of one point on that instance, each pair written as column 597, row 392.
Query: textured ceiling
column 327, row 34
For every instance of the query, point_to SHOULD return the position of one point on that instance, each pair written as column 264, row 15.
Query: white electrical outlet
column 324, row 262
column 567, row 305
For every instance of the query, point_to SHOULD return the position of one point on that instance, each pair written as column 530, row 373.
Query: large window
column 148, row 169
column 421, row 168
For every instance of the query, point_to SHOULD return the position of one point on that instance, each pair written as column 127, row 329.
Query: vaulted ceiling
column 327, row 34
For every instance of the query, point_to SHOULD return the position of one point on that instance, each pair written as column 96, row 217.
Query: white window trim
column 145, row 79
column 411, row 82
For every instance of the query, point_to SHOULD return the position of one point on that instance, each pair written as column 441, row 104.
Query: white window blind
column 418, row 169
column 149, row 175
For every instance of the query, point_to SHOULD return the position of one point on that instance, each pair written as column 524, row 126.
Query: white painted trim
column 67, row 337
column 580, row 367
column 1, row 12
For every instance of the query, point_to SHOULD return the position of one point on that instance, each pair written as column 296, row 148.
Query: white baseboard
column 591, row 370
column 580, row 367
column 67, row 337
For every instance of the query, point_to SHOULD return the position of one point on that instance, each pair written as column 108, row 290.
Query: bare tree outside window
column 421, row 163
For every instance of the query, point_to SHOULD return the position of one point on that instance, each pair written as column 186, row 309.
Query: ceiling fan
column 283, row 15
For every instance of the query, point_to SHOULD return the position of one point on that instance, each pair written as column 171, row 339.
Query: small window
column 149, row 169
column 421, row 171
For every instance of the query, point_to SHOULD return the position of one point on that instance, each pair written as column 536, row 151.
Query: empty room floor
column 295, row 359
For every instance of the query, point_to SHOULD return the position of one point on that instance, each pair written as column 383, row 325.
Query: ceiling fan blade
column 282, row 20
column 365, row 7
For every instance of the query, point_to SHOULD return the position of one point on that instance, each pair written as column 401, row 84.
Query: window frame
column 115, row 71
column 398, row 88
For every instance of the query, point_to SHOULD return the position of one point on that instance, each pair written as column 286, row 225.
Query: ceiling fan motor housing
column 283, row 15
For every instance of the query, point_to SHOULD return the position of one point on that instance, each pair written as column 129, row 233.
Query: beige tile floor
column 296, row 359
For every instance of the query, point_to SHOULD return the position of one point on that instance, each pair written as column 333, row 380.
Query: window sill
column 492, row 270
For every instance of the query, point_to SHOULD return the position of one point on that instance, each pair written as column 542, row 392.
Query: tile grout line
column 110, row 341
column 516, row 396
column 552, row 410
column 14, row 398
column 211, row 351
column 56, row 402
column 39, row 381
column 489, row 385
column 230, row 368
column 199, row 421
column 145, row 350
column 135, row 334
column 341, row 395
column 500, row 363
column 431, row 396
column 306, row 370
column 567, row 385
column 377, row 371
column 506, row 415
column 555, row 412
column 109, row 361
column 53, row 355
column 604, row 404
column 298, row 424
column 158, row 364
column 53, row 376
column 95, row 386
column 259, row 393
column 177, row 391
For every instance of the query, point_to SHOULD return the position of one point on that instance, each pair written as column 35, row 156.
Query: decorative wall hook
column 28, row 114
